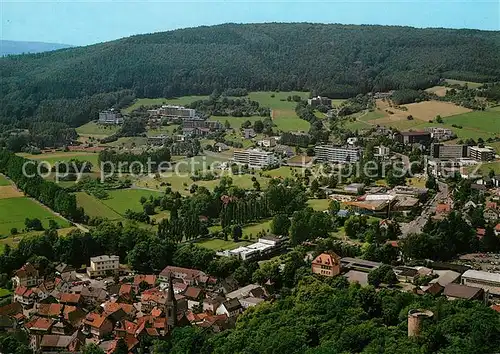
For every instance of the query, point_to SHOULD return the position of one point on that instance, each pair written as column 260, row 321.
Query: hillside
column 21, row 47
column 334, row 60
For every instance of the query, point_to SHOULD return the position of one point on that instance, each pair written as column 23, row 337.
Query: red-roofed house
column 327, row 264
column 70, row 299
column 24, row 296
column 497, row 230
column 149, row 279
column 97, row 325
column 443, row 209
column 10, row 316
column 26, row 276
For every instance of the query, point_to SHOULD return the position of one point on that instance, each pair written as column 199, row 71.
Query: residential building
column 255, row 158
column 381, row 151
column 270, row 142
column 444, row 151
column 482, row 153
column 456, row 291
column 25, row 296
column 200, row 123
column 249, row 133
column 487, row 281
column 441, row 134
column 327, row 264
column 406, row 274
column 158, row 140
column 265, row 247
column 358, row 264
column 26, row 276
column 54, row 343
column 173, row 112
column 330, row 153
column 414, row 137
column 355, row 188
column 319, row 101
column 251, row 290
column 110, row 117
column 187, row 275
column 491, row 215
column 250, row 302
column 97, row 325
column 230, row 308
column 103, row 265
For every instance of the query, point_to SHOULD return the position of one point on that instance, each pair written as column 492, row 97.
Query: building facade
column 442, row 151
column 329, row 153
column 255, row 158
column 327, row 264
column 103, row 265
column 319, row 101
column 414, row 137
column 481, row 153
column 110, row 117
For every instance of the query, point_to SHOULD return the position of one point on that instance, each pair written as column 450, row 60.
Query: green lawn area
column 4, row 181
column 4, row 292
column 128, row 142
column 14, row 211
column 148, row 102
column 122, row 199
column 460, row 82
column 199, row 163
column 217, row 244
column 337, row 101
column 238, row 138
column 283, row 171
column 94, row 207
column 236, row 122
column 251, row 230
column 319, row 204
column 485, row 168
column 93, row 129
column 371, row 115
column 166, row 129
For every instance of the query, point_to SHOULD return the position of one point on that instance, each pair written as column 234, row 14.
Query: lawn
column 485, row 168
column 149, row 102
column 98, row 130
column 14, row 211
column 166, row 129
column 319, row 204
column 236, row 122
column 251, row 230
column 4, row 181
column 470, row 84
column 4, row 292
column 284, row 171
column 60, row 156
column 122, row 199
column 217, row 244
column 94, row 207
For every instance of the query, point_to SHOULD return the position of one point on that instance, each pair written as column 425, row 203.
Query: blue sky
column 84, row 22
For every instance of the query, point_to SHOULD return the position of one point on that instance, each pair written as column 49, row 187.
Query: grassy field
column 122, row 199
column 217, row 244
column 94, row 207
column 61, row 156
column 470, row 84
column 4, row 292
column 283, row 172
column 168, row 129
column 236, row 122
column 148, row 102
column 251, row 230
column 485, row 168
column 14, row 211
column 4, row 181
column 97, row 130
column 128, row 142
column 319, row 204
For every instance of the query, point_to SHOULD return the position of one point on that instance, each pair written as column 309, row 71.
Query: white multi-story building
column 255, row 158
column 170, row 111
column 103, row 265
column 110, row 117
column 329, row 153
column 486, row 153
column 485, row 280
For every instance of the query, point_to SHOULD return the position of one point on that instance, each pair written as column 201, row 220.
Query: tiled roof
column 125, row 289
column 69, row 298
column 26, row 270
column 95, row 320
column 192, row 292
column 461, row 291
column 148, row 278
column 39, row 324
column 329, row 258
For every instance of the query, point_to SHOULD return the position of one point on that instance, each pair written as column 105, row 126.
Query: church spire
column 171, row 304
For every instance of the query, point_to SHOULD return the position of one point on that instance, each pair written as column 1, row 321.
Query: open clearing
column 438, row 90
column 97, row 130
column 470, row 84
column 94, row 207
column 235, row 122
column 319, row 204
column 217, row 244
column 60, row 156
column 251, row 230
column 14, row 211
column 122, row 199
column 4, row 181
column 10, row 191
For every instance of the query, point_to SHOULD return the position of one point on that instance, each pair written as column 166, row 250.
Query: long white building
column 330, row 153
column 255, row 158
column 171, row 111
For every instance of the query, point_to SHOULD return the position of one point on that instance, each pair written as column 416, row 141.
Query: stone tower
column 415, row 320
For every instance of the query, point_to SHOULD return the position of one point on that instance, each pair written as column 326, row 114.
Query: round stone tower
column 415, row 319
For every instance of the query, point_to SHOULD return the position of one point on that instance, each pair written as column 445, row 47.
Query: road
column 415, row 226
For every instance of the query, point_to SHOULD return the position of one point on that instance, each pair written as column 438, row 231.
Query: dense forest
column 72, row 85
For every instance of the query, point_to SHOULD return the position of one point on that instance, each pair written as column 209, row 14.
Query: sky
column 78, row 22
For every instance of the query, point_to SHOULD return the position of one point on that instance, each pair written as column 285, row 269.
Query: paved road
column 415, row 226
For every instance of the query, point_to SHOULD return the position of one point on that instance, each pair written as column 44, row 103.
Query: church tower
column 171, row 305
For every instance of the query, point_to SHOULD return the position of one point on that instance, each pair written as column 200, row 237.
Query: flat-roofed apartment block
column 330, row 153
column 481, row 153
column 443, row 151
column 487, row 281
column 103, row 265
column 171, row 111
column 255, row 158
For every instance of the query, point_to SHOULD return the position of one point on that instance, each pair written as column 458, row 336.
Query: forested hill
column 335, row 60
column 20, row 47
